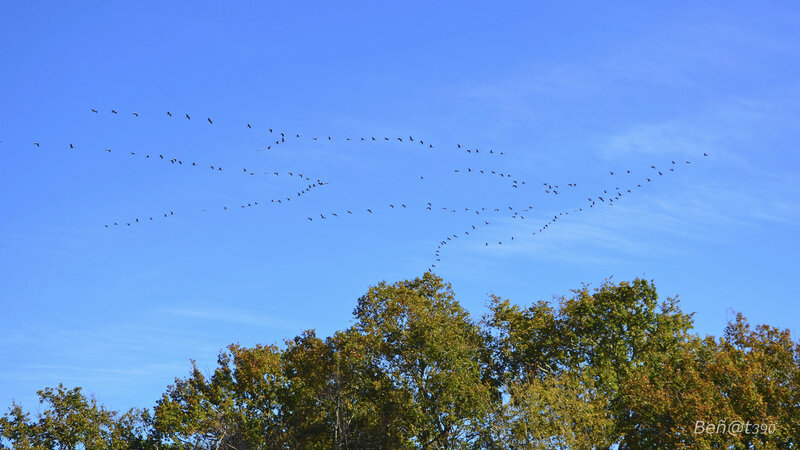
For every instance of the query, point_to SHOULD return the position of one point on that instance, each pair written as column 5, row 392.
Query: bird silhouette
column 187, row 116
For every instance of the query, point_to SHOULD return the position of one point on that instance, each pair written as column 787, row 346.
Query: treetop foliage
column 609, row 366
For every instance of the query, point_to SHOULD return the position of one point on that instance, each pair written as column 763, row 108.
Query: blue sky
column 569, row 93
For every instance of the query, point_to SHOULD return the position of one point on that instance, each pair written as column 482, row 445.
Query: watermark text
column 733, row 427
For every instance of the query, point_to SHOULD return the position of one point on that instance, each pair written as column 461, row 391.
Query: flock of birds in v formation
column 607, row 198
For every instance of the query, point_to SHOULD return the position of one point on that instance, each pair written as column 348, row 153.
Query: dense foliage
column 612, row 366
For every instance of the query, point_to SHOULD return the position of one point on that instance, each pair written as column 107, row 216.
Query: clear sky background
column 568, row 93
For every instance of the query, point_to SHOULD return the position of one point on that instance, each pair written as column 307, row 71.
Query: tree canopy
column 612, row 366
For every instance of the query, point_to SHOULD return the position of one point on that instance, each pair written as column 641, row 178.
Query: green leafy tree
column 746, row 376
column 602, row 335
column 335, row 397
column 434, row 359
column 238, row 406
column 70, row 421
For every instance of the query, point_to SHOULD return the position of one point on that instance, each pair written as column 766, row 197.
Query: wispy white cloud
column 81, row 372
column 234, row 316
column 670, row 138
column 667, row 223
